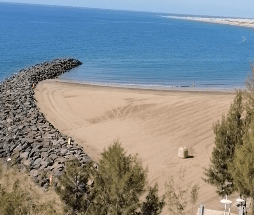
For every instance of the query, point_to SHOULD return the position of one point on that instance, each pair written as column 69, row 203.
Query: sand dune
column 152, row 123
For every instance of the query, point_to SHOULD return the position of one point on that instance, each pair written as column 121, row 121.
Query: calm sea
column 125, row 48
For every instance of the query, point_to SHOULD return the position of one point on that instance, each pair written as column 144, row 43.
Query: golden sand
column 152, row 123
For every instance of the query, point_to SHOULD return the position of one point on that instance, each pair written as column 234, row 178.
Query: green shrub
column 178, row 197
column 228, row 134
column 73, row 187
column 115, row 187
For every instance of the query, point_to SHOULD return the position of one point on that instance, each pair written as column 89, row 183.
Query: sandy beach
column 152, row 123
column 226, row 21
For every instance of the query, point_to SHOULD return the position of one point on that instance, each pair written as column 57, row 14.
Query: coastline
column 155, row 87
column 27, row 139
column 152, row 123
column 226, row 21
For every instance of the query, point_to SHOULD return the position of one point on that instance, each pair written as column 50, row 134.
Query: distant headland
column 244, row 22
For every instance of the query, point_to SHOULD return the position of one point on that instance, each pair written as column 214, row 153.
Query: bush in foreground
column 115, row 187
column 232, row 159
column 228, row 135
column 178, row 197
column 242, row 167
column 74, row 189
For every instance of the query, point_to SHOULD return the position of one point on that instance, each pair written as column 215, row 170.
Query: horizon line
column 125, row 10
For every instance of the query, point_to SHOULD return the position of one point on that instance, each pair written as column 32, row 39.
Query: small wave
column 199, row 87
column 34, row 22
column 242, row 40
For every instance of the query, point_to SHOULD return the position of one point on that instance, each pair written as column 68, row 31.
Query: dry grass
column 20, row 195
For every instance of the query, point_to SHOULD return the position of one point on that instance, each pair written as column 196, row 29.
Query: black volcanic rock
column 25, row 134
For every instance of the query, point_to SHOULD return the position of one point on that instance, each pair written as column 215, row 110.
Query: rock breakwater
column 25, row 134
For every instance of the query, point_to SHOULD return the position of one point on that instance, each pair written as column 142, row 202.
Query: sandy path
column 153, row 124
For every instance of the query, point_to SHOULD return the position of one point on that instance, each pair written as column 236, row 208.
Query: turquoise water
column 125, row 48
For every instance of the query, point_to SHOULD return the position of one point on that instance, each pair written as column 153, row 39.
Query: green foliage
column 114, row 188
column 242, row 168
column 153, row 205
column 119, row 182
column 250, row 80
column 177, row 196
column 232, row 159
column 228, row 134
column 194, row 194
column 19, row 195
column 73, row 187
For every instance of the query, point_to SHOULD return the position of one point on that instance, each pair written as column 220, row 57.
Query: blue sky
column 234, row 8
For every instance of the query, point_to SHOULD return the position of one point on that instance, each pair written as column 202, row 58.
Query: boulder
column 24, row 131
column 27, row 162
column 24, row 155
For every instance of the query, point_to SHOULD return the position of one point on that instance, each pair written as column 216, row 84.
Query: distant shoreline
column 225, row 21
column 166, row 88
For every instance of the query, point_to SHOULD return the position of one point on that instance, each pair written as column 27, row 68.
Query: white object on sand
column 69, row 140
column 183, row 152
column 240, row 200
column 226, row 201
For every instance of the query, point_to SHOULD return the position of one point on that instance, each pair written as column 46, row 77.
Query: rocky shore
column 26, row 137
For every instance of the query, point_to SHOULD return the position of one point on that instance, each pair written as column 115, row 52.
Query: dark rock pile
column 25, row 134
